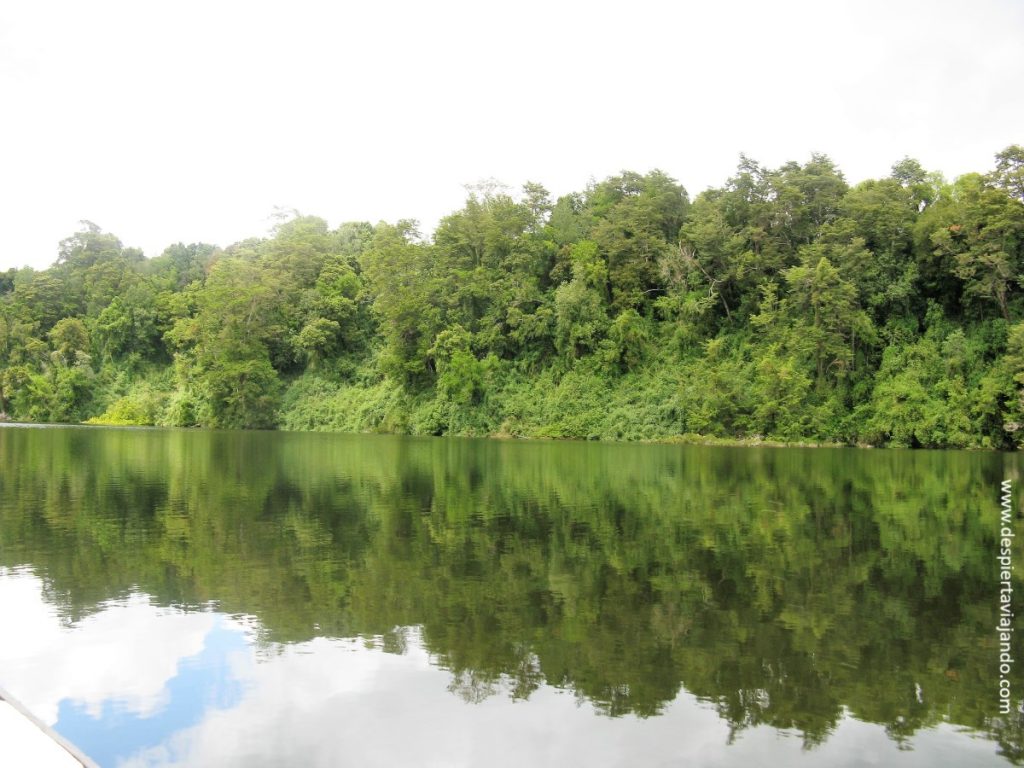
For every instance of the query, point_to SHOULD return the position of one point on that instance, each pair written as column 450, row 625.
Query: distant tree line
column 783, row 305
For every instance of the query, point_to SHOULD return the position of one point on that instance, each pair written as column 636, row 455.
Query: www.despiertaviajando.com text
column 1005, row 627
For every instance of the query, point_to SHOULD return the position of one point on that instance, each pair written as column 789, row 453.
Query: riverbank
column 657, row 405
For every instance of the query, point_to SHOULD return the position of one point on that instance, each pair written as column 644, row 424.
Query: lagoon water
column 225, row 598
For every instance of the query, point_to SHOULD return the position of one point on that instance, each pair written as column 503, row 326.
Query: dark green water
column 205, row 598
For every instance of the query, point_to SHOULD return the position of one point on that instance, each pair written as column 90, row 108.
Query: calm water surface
column 216, row 599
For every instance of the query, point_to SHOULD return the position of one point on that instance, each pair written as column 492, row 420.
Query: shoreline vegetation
column 753, row 441
column 785, row 307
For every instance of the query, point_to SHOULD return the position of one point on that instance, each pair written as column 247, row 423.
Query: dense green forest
column 783, row 305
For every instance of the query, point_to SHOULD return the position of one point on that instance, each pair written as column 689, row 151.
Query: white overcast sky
column 190, row 121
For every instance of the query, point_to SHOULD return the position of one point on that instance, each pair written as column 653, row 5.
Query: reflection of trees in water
column 783, row 587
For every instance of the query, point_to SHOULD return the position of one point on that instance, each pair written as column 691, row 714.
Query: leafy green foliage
column 784, row 305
